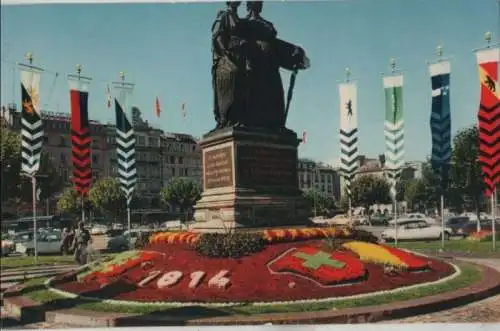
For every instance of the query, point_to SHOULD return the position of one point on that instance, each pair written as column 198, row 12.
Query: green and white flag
column 394, row 129
column 348, row 133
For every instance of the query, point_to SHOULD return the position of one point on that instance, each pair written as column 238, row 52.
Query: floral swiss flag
column 323, row 268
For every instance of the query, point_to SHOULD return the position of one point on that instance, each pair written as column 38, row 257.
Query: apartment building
column 323, row 178
column 160, row 156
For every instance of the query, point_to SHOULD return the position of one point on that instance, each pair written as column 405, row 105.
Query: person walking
column 64, row 241
column 80, row 244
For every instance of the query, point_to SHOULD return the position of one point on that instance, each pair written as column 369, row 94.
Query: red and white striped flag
column 157, row 108
column 304, row 137
column 183, row 110
column 108, row 93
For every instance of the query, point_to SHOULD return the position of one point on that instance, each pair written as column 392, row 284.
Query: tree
column 106, row 196
column 369, row 190
column 70, row 202
column 16, row 188
column 323, row 202
column 182, row 193
column 466, row 174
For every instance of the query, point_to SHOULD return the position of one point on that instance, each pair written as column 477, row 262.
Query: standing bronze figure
column 247, row 57
column 229, row 67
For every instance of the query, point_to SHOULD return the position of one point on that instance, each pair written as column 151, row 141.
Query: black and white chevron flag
column 31, row 121
column 125, row 150
column 348, row 133
column 440, row 120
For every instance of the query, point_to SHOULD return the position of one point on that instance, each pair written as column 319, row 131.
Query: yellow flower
column 373, row 253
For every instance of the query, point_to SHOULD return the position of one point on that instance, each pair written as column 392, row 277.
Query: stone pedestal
column 249, row 180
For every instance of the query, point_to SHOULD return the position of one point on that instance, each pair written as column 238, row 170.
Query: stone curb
column 29, row 311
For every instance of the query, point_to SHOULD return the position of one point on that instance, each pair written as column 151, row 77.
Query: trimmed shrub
column 234, row 245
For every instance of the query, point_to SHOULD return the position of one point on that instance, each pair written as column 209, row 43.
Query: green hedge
column 233, row 245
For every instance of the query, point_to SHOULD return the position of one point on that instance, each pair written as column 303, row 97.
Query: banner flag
column 440, row 120
column 31, row 120
column 125, row 141
column 157, row 107
column 348, row 133
column 394, row 129
column 489, row 118
column 80, row 135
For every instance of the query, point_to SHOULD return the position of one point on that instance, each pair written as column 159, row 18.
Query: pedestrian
column 80, row 244
column 64, row 241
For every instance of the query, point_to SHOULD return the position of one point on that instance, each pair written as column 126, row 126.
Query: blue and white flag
column 440, row 120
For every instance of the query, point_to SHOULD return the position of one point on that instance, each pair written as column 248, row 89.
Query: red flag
column 158, row 109
column 304, row 137
column 108, row 91
column 183, row 110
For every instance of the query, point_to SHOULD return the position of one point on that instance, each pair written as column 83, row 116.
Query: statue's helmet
column 233, row 3
column 255, row 6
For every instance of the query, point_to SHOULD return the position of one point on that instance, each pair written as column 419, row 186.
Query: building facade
column 160, row 156
column 323, row 178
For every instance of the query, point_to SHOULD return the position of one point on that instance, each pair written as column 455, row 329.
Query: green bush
column 232, row 245
column 362, row 235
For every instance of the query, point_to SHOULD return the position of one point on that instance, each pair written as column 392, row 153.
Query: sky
column 165, row 50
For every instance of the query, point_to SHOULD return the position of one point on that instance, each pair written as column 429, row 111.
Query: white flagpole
column 442, row 221
column 493, row 212
column 33, row 186
column 395, row 221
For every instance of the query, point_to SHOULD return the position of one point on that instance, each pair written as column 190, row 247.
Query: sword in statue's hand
column 290, row 92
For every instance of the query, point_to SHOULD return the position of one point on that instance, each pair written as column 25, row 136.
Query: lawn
column 11, row 262
column 470, row 275
column 455, row 246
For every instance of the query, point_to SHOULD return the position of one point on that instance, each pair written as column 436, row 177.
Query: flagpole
column 493, row 212
column 442, row 221
column 33, row 187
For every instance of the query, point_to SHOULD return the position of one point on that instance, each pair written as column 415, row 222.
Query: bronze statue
column 228, row 68
column 246, row 80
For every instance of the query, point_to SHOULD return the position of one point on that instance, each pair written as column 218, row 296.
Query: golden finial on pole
column 78, row 69
column 29, row 57
column 439, row 50
column 393, row 65
column 347, row 74
column 487, row 37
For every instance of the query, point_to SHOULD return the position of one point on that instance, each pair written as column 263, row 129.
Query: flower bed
column 386, row 255
column 178, row 274
column 174, row 238
column 271, row 236
column 484, row 235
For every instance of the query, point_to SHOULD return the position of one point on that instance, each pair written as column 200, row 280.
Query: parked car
column 471, row 227
column 7, row 245
column 456, row 224
column 121, row 242
column 415, row 230
column 47, row 243
column 117, row 226
column 98, row 229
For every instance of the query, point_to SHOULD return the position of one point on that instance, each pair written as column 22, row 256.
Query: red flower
column 316, row 265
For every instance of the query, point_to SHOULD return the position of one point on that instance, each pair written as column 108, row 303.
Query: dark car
column 471, row 227
column 456, row 223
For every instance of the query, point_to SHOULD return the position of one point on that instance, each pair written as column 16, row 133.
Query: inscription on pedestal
column 266, row 166
column 218, row 168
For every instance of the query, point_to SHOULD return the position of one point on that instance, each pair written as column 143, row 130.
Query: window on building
column 186, row 172
column 63, row 158
column 181, row 160
column 173, row 172
column 95, row 159
column 141, row 141
column 172, row 159
column 62, row 141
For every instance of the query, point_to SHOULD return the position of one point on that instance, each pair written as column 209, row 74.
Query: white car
column 415, row 230
column 99, row 229
column 47, row 243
